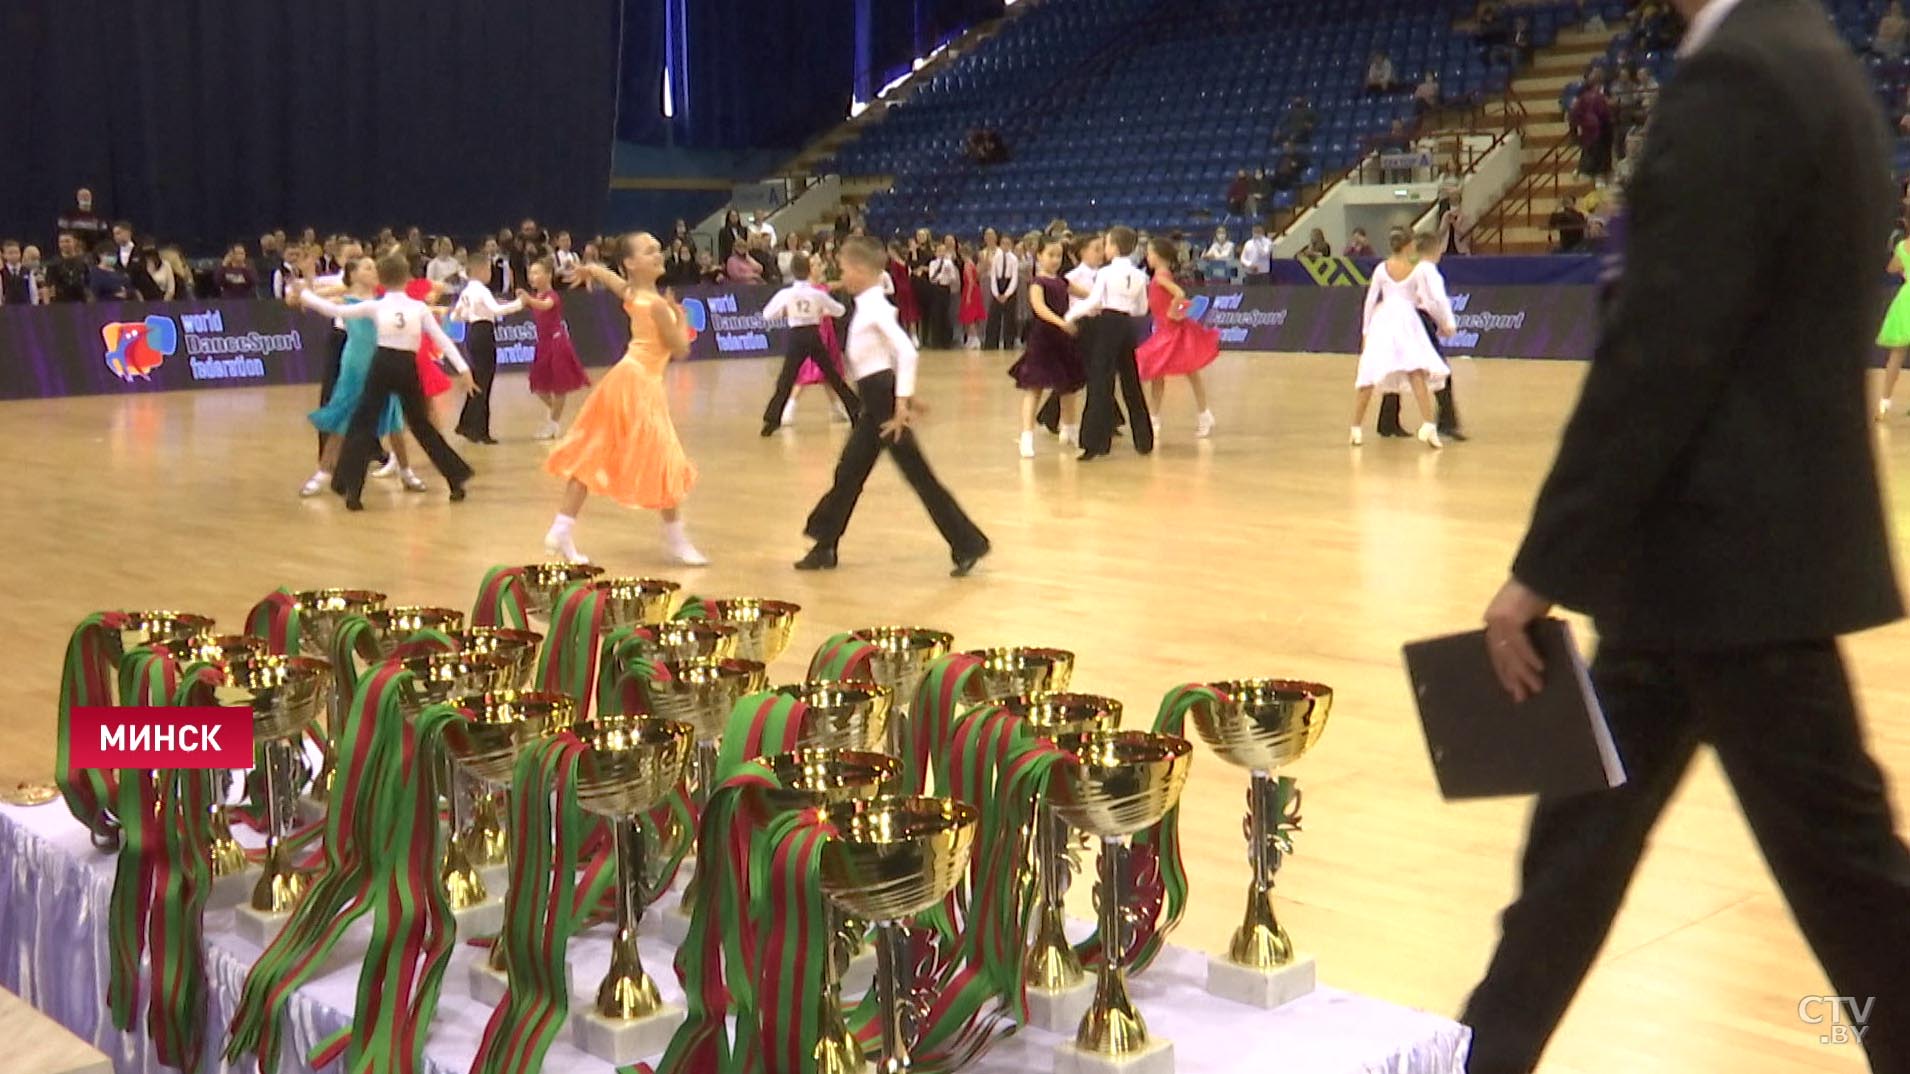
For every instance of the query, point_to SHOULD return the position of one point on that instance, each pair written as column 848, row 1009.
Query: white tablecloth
column 53, row 953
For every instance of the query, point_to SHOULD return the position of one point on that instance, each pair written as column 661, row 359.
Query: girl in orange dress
column 622, row 443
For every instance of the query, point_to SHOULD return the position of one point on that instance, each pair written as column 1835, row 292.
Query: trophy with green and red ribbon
column 900, row 661
column 227, row 856
column 1263, row 725
column 1118, row 784
column 764, row 627
column 285, row 694
column 485, row 842
column 319, row 614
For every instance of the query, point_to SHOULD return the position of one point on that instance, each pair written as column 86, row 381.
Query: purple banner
column 1497, row 322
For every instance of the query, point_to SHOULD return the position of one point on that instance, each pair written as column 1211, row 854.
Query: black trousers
column 480, row 344
column 1786, row 731
column 1107, row 349
column 1004, row 324
column 805, row 342
column 831, row 517
column 393, row 373
column 938, row 326
column 334, row 363
column 1448, row 410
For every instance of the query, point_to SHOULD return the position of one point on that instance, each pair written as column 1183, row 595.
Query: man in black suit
column 1714, row 507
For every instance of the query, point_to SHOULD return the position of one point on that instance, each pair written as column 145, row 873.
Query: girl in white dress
column 1396, row 354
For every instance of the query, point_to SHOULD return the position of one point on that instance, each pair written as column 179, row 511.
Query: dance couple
column 1397, row 353
column 1430, row 250
column 814, row 357
column 622, row 443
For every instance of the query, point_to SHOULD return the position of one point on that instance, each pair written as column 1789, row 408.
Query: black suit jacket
column 1716, row 486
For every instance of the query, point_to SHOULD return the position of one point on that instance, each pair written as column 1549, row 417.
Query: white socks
column 677, row 540
column 789, row 412
column 1358, row 437
column 1028, row 445
column 1204, row 425
column 558, row 544
column 317, row 484
column 1428, row 435
column 1071, row 435
column 412, row 482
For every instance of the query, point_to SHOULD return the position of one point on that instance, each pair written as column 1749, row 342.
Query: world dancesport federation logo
column 697, row 316
column 135, row 348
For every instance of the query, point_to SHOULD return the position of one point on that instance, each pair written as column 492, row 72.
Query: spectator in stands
column 1567, row 225
column 125, row 252
column 1222, row 248
column 1490, row 30
column 1396, row 140
column 679, row 264
column 1291, row 171
column 794, row 243
column 1888, row 41
column 1522, row 47
column 740, row 267
column 1591, row 126
column 236, row 277
column 759, row 225
column 1262, row 197
column 1454, row 227
column 80, row 221
column 1239, row 193
column 152, row 279
column 1358, row 245
column 765, row 258
column 1426, row 97
column 733, row 232
column 532, row 246
column 444, row 264
column 1256, row 256
column 1379, row 74
column 68, row 274
column 17, row 285
column 179, row 287
column 1316, row 246
column 1299, row 122
column 105, row 281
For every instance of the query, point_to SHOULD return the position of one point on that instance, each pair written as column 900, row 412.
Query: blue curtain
column 646, row 26
column 205, row 121
column 765, row 73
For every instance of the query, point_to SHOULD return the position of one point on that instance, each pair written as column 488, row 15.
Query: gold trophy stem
column 279, row 888
column 1260, row 943
column 891, row 961
column 1112, row 1026
column 837, row 1050
column 463, row 888
column 228, row 857
column 627, row 993
column 1051, row 964
column 702, row 781
column 321, row 789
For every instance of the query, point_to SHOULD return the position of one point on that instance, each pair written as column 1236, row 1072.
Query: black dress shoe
column 487, row 439
column 354, row 505
column 770, row 430
column 965, row 562
column 1396, row 431
column 820, row 558
column 457, row 493
column 1454, row 435
column 1089, row 456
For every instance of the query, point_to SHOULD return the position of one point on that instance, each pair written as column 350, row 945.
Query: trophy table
column 1262, row 725
column 1120, row 783
column 628, row 766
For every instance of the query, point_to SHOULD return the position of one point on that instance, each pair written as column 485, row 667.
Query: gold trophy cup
column 694, row 639
column 227, row 856
column 1262, row 725
column 764, row 627
column 1121, row 783
column 1014, row 671
column 496, row 729
column 171, row 629
column 636, row 601
column 843, row 715
column 545, row 582
column 485, row 842
column 817, row 779
column 285, row 694
column 1058, row 987
column 628, row 766
column 902, row 659
column 320, row 612
column 893, row 858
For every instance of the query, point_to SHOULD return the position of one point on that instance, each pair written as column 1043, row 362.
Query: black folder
column 1485, row 745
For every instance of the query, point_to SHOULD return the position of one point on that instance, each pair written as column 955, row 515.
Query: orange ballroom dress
column 622, row 443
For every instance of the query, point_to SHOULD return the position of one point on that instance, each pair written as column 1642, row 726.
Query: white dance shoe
column 1428, row 435
column 1357, row 438
column 560, row 546
column 1027, row 445
column 315, row 486
column 1204, row 425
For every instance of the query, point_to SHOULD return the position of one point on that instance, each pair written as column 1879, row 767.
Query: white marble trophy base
column 1156, row 1058
column 1261, row 988
column 497, row 878
column 671, row 922
column 257, row 927
column 234, row 891
column 484, row 919
column 488, row 985
column 1060, row 1010
column 621, row 1043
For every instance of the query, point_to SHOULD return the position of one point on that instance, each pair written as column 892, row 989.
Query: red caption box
column 161, row 737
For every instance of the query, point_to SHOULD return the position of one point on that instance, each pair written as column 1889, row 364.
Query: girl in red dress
column 1180, row 346
column 903, row 291
column 974, row 311
column 555, row 370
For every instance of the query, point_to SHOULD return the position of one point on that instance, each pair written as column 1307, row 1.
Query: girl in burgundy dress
column 902, row 291
column 1180, row 346
column 555, row 370
column 973, row 311
column 1051, row 363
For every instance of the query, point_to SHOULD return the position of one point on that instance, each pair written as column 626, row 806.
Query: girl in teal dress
column 361, row 342
column 1895, row 333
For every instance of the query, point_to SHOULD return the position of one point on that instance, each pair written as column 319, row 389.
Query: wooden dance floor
column 1272, row 549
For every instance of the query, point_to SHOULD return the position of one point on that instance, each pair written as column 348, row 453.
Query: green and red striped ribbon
column 364, row 815
column 276, row 621
column 792, row 945
column 502, row 600
column 147, row 677
column 569, row 660
column 942, row 697
column 87, row 678
column 842, row 658
column 693, row 608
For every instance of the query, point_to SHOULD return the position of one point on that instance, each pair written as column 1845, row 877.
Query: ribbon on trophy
column 87, row 678
column 541, row 908
column 1156, row 879
column 413, row 930
column 503, row 600
column 360, row 826
column 569, row 660
column 275, row 621
column 162, row 877
column 693, row 609
column 626, row 669
column 842, row 658
column 945, row 693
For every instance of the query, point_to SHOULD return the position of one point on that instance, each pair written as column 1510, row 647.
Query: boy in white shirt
column 883, row 360
column 804, row 303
